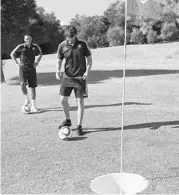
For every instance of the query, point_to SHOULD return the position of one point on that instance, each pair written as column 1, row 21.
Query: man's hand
column 59, row 75
column 88, row 68
column 35, row 64
column 85, row 76
column 21, row 65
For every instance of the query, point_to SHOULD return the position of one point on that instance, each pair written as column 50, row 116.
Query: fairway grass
column 35, row 161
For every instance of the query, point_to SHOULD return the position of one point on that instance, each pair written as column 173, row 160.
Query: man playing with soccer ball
column 27, row 68
column 78, row 62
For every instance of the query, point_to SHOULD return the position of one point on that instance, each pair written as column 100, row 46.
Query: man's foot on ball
column 27, row 102
column 67, row 122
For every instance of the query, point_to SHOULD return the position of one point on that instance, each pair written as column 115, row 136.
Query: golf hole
column 117, row 183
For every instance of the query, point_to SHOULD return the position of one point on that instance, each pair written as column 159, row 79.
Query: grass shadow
column 164, row 178
column 76, row 138
column 73, row 108
column 151, row 126
column 54, row 109
column 97, row 76
column 177, row 127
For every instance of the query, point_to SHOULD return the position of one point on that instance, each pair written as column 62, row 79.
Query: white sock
column 26, row 98
column 33, row 102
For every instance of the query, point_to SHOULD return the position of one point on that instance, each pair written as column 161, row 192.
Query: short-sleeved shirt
column 26, row 54
column 75, row 57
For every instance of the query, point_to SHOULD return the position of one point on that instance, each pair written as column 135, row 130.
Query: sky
column 65, row 10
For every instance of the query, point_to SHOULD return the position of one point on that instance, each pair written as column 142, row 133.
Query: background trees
column 21, row 16
column 46, row 30
column 108, row 29
column 14, row 19
column 92, row 29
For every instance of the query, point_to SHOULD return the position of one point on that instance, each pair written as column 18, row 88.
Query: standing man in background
column 78, row 63
column 27, row 68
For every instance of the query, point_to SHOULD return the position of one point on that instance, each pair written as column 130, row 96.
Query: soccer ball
column 64, row 132
column 25, row 109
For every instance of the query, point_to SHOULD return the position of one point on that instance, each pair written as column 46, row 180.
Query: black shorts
column 78, row 85
column 28, row 75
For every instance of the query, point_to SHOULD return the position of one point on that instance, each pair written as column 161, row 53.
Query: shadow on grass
column 151, row 126
column 48, row 78
column 164, row 178
column 177, row 127
column 76, row 139
column 52, row 109
column 74, row 108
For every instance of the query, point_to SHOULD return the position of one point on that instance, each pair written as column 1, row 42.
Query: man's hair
column 70, row 31
column 28, row 34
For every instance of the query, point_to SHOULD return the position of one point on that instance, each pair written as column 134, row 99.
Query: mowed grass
column 35, row 161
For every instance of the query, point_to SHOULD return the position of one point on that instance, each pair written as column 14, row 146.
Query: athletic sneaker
column 34, row 109
column 79, row 130
column 67, row 122
column 25, row 105
column 27, row 102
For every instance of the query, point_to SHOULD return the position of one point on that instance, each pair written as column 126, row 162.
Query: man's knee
column 80, row 101
column 64, row 99
column 33, row 89
column 23, row 84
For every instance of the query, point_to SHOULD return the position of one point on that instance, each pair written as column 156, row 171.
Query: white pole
column 123, row 91
column 123, row 88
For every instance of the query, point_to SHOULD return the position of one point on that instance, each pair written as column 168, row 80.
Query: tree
column 169, row 32
column 46, row 30
column 152, row 36
column 2, row 73
column 14, row 18
column 116, row 14
column 137, row 37
column 116, row 36
column 170, row 11
column 93, row 29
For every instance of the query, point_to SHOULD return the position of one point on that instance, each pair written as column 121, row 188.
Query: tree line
column 108, row 29
column 24, row 16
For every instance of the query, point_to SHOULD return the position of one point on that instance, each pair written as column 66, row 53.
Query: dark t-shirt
column 26, row 54
column 75, row 64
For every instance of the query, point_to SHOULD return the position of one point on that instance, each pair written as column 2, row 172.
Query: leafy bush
column 137, row 37
column 116, row 36
column 102, row 41
column 152, row 36
column 2, row 72
column 169, row 32
column 92, row 42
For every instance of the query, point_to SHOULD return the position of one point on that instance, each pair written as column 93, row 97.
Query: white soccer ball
column 25, row 109
column 64, row 132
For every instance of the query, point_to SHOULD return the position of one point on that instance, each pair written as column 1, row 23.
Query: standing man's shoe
column 79, row 130
column 34, row 109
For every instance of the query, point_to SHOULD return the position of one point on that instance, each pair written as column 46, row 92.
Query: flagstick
column 124, row 181
column 123, row 89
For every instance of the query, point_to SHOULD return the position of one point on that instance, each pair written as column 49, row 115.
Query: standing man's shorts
column 78, row 85
column 28, row 75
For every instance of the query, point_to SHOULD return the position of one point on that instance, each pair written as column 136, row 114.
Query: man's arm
column 58, row 69
column 14, row 53
column 88, row 68
column 60, row 58
column 40, row 54
column 39, row 57
column 89, row 59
